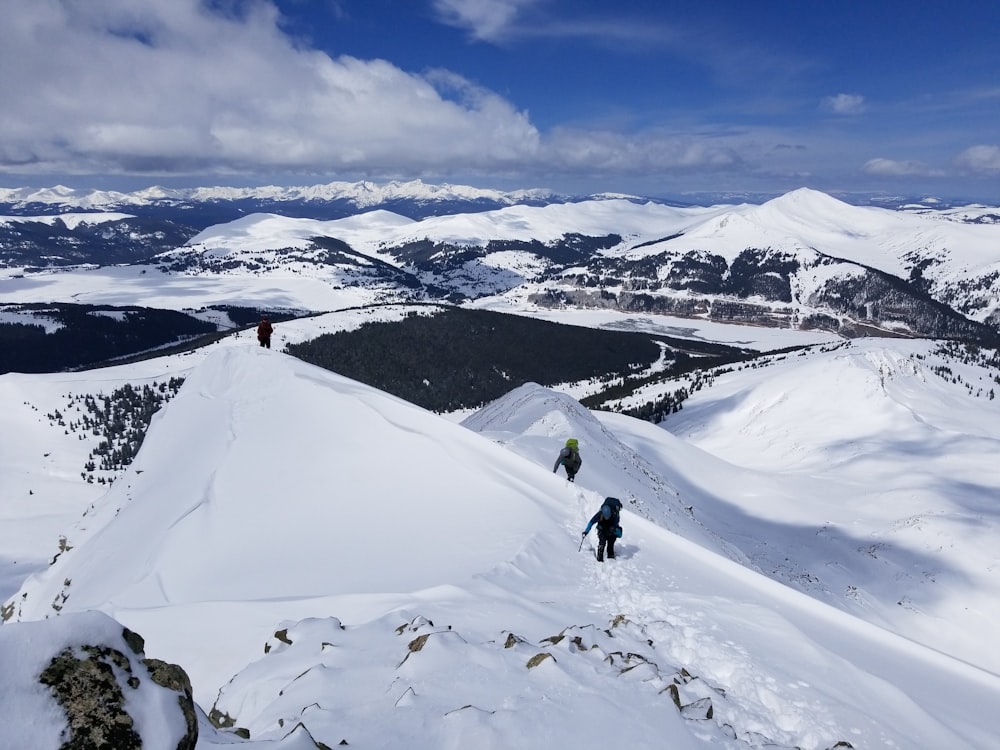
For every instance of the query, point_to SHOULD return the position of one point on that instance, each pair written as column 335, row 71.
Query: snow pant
column 606, row 539
column 266, row 342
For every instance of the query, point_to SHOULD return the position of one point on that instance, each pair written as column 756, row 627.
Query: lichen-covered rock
column 80, row 681
column 85, row 682
column 174, row 678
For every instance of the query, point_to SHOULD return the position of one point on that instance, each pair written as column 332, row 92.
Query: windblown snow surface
column 809, row 555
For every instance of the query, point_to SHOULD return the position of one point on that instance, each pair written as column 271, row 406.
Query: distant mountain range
column 204, row 206
column 802, row 260
column 201, row 207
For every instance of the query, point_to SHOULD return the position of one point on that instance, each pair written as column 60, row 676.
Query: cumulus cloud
column 894, row 168
column 117, row 86
column 186, row 87
column 844, row 104
column 981, row 159
column 217, row 88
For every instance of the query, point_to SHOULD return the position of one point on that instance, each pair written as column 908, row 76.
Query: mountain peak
column 808, row 199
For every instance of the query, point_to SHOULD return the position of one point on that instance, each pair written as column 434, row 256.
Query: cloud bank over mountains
column 111, row 90
column 191, row 88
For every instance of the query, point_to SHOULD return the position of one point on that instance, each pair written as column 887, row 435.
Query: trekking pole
column 582, row 537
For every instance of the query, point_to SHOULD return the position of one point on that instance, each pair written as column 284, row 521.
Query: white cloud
column 895, row 168
column 488, row 20
column 109, row 86
column 651, row 150
column 609, row 151
column 845, row 104
column 217, row 90
column 981, row 158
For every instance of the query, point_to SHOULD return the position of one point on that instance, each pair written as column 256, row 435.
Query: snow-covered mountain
column 804, row 260
column 41, row 228
column 202, row 206
column 808, row 558
column 809, row 552
column 361, row 194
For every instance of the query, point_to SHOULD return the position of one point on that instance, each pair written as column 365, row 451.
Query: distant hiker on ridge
column 264, row 331
column 608, row 528
column 569, row 457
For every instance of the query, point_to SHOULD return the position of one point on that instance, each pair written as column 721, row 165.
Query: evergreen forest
column 457, row 358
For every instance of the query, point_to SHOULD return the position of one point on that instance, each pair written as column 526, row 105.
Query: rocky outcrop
column 90, row 676
column 765, row 287
column 335, row 683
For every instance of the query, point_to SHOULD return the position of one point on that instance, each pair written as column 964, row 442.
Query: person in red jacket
column 264, row 331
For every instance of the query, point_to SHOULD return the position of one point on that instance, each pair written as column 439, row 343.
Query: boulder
column 81, row 680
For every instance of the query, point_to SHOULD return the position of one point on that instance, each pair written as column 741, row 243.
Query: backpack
column 614, row 506
column 573, row 460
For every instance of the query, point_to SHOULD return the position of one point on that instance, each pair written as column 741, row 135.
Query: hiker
column 608, row 528
column 569, row 457
column 264, row 331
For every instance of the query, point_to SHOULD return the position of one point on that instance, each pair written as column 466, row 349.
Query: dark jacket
column 264, row 330
column 606, row 526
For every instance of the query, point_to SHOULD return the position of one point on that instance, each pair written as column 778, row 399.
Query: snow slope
column 884, row 502
column 312, row 550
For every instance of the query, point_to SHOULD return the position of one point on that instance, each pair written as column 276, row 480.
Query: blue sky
column 580, row 96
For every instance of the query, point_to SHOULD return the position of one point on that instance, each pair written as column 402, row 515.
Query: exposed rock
column 86, row 686
column 102, row 692
column 537, row 659
column 512, row 640
column 175, row 679
column 701, row 710
column 767, row 287
column 418, row 643
column 222, row 720
column 135, row 641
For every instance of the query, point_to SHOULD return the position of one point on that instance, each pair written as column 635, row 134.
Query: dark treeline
column 86, row 336
column 83, row 335
column 460, row 358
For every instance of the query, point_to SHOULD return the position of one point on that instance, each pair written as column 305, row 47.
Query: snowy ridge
column 900, row 436
column 71, row 220
column 793, row 260
column 412, row 581
column 955, row 258
column 372, row 230
column 362, row 194
column 261, row 232
column 804, row 218
column 530, row 420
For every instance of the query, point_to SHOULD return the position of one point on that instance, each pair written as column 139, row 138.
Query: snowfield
column 313, row 551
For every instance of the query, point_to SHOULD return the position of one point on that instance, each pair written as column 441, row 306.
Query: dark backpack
column 614, row 506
